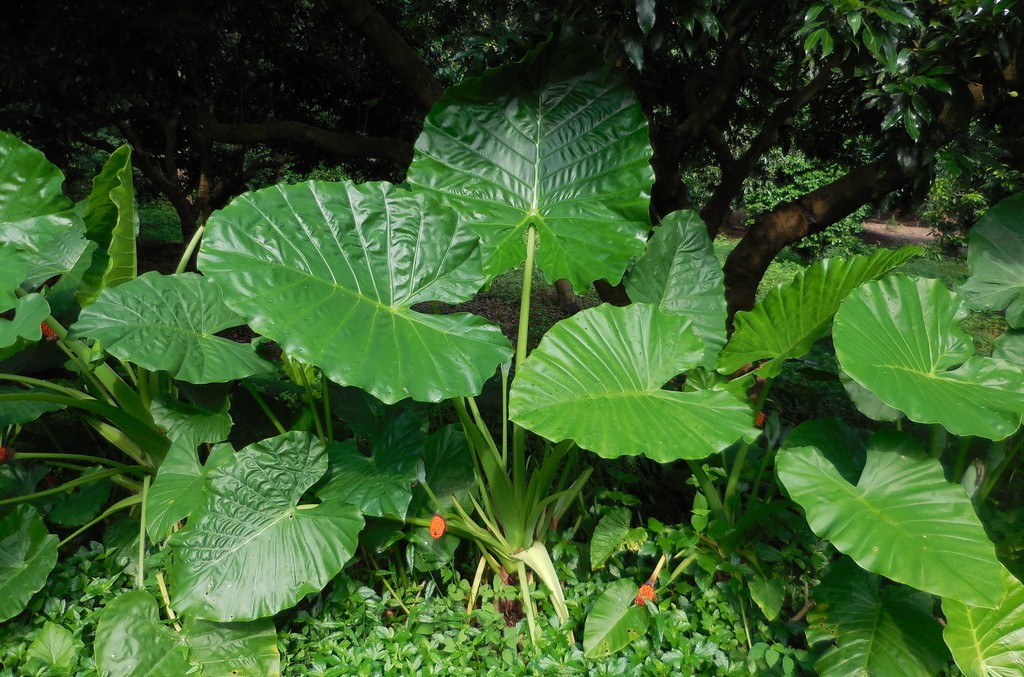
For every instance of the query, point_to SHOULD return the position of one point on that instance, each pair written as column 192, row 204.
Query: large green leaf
column 614, row 621
column 27, row 554
column 54, row 651
column 988, row 642
column 786, row 323
column 899, row 338
column 22, row 411
column 331, row 270
column 29, row 184
column 190, row 423
column 380, row 484
column 995, row 257
column 252, row 549
column 131, row 640
column 181, row 485
column 877, row 630
column 902, row 519
column 554, row 141
column 680, row 274
column 233, row 649
column 169, row 323
column 112, row 222
column 597, row 378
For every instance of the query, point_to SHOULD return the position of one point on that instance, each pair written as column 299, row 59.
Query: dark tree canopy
column 211, row 95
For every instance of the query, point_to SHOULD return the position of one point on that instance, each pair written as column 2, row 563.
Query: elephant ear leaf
column 340, row 268
column 902, row 519
column 995, row 257
column 252, row 513
column 988, row 641
column 27, row 555
column 35, row 216
column 613, row 403
column 786, row 323
column 900, row 338
column 680, row 274
column 877, row 630
column 169, row 323
column 554, row 142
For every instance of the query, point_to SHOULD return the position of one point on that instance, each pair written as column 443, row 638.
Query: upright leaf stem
column 518, row 433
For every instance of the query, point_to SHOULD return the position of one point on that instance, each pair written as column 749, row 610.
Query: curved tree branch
column 396, row 52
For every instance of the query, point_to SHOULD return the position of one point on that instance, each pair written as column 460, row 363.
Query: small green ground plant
column 545, row 164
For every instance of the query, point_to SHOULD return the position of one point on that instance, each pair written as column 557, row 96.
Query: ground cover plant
column 260, row 476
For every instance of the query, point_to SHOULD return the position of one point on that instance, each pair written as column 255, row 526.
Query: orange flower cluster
column 48, row 333
column 760, row 419
column 5, row 454
column 645, row 594
column 437, row 527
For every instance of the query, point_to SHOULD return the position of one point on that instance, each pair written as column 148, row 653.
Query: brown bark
column 735, row 172
column 287, row 131
column 392, row 47
column 791, row 221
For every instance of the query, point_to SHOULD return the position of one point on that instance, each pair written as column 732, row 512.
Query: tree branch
column 396, row 52
column 291, row 132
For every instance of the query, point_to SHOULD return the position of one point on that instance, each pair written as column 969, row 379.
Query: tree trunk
column 791, row 221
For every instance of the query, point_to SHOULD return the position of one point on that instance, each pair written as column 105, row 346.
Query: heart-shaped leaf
column 614, row 621
column 786, row 323
column 27, row 554
column 680, row 274
column 190, row 423
column 988, row 642
column 131, row 640
column 899, row 338
column 252, row 550
column 902, row 519
column 995, row 257
column 169, row 323
column 597, row 378
column 554, row 141
column 340, row 267
column 54, row 651
column 379, row 485
column 877, row 630
column 181, row 485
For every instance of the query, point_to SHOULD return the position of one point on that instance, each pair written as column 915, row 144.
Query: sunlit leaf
column 679, row 273
column 554, row 141
column 988, row 642
column 253, row 549
column 877, row 630
column 597, row 378
column 902, row 519
column 614, row 621
column 169, row 323
column 340, row 267
column 900, row 339
column 786, row 323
